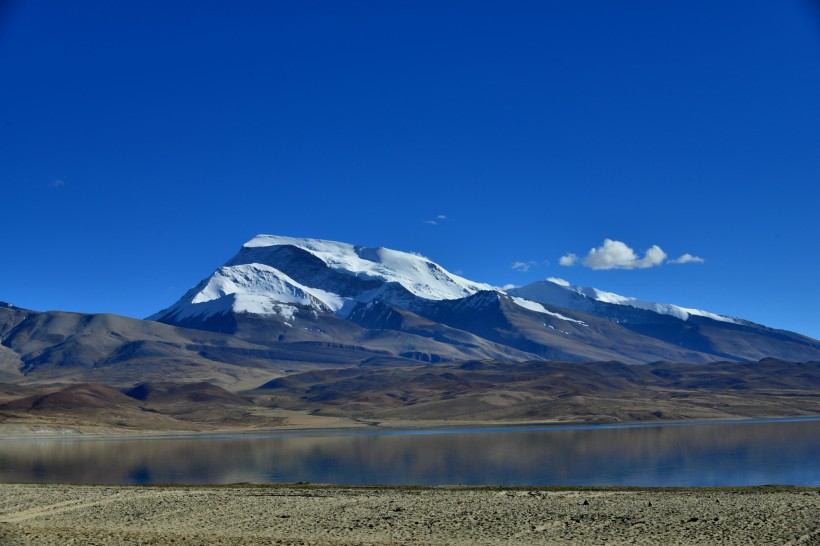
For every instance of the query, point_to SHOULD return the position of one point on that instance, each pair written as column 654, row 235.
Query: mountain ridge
column 250, row 321
column 303, row 285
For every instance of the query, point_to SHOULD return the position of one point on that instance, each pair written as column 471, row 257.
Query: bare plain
column 313, row 514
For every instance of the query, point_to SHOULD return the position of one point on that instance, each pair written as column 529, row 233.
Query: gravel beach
column 313, row 514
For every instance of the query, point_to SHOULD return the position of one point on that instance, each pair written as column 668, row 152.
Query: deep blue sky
column 142, row 143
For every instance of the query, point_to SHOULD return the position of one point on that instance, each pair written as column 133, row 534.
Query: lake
column 754, row 452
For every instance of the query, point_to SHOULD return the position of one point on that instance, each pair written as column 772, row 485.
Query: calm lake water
column 727, row 453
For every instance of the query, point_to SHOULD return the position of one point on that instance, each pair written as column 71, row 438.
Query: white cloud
column 509, row 287
column 59, row 183
column 523, row 267
column 435, row 221
column 568, row 260
column 556, row 280
column 687, row 259
column 618, row 255
column 654, row 256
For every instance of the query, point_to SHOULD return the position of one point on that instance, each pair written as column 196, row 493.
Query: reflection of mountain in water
column 715, row 454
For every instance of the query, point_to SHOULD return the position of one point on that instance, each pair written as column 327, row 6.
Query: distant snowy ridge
column 682, row 313
column 566, row 295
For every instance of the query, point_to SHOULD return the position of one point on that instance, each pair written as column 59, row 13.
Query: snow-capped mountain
column 311, row 290
column 273, row 275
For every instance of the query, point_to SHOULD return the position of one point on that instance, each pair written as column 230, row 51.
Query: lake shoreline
column 332, row 514
column 410, row 427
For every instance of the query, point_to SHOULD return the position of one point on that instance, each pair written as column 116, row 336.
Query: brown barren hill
column 85, row 396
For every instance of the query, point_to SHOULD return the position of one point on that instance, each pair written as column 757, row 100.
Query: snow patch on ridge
column 538, row 308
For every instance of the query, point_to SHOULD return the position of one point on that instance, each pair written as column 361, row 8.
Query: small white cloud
column 509, row 287
column 435, row 221
column 618, row 255
column 687, row 259
column 568, row 260
column 523, row 267
column 59, row 183
column 556, row 280
column 654, row 256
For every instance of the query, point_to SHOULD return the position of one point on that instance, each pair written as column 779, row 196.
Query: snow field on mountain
column 253, row 288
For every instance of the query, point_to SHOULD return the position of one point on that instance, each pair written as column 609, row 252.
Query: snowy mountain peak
column 418, row 275
column 274, row 275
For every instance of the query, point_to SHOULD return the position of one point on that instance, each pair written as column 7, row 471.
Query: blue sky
column 141, row 143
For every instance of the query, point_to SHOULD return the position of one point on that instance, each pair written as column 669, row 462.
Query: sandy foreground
column 304, row 514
